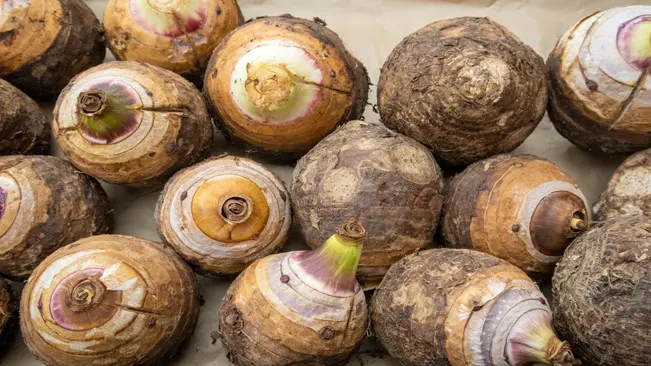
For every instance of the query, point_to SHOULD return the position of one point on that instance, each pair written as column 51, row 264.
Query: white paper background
column 372, row 28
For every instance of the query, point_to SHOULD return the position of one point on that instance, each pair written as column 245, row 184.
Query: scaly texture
column 299, row 308
column 223, row 214
column 281, row 84
column 600, row 89
column 8, row 315
column 109, row 300
column 44, row 43
column 23, row 127
column 388, row 181
column 456, row 307
column 517, row 207
column 467, row 88
column 177, row 35
column 601, row 293
column 629, row 189
column 45, row 203
column 132, row 123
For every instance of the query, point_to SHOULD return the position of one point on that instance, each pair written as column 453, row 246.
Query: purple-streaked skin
column 3, row 201
column 108, row 112
column 80, row 302
column 172, row 18
column 634, row 42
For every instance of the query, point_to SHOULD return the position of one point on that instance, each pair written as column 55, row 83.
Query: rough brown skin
column 601, row 293
column 68, row 206
column 186, row 53
column 165, row 317
column 410, row 309
column 347, row 91
column 184, row 137
column 467, row 88
column 367, row 172
column 8, row 315
column 23, row 127
column 628, row 192
column 483, row 211
column 78, row 45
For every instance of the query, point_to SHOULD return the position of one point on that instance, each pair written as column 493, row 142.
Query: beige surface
column 372, row 28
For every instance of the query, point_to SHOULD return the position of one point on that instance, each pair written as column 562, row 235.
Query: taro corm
column 600, row 77
column 223, row 214
column 629, row 190
column 467, row 88
column 132, row 123
column 8, row 315
column 281, row 84
column 23, row 127
column 115, row 299
column 464, row 308
column 299, row 308
column 368, row 172
column 178, row 35
column 46, row 42
column 517, row 207
column 601, row 291
column 45, row 203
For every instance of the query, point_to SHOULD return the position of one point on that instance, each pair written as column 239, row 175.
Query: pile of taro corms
column 369, row 197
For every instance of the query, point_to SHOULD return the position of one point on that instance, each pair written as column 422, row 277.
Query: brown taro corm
column 368, row 172
column 301, row 308
column 462, row 307
column 24, row 130
column 223, row 214
column 47, row 42
column 467, row 88
column 281, row 84
column 599, row 81
column 177, row 35
column 8, row 315
column 124, row 300
column 131, row 123
column 518, row 207
column 45, row 203
column 601, row 293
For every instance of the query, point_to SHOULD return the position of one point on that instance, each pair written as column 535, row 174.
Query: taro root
column 132, row 123
column 178, row 35
column 368, row 172
column 223, row 214
column 23, row 127
column 281, row 84
column 629, row 190
column 45, row 203
column 8, row 314
column 520, row 208
column 464, row 308
column 109, row 300
column 600, row 89
column 300, row 308
column 467, row 88
column 601, row 293
column 44, row 43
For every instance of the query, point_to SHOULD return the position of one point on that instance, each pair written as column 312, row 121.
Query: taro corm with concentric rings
column 600, row 81
column 467, row 88
column 45, row 43
column 45, row 203
column 299, row 308
column 281, row 84
column 131, row 123
column 109, row 299
column 460, row 307
column 23, row 127
column 518, row 207
column 178, row 35
column 223, row 214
